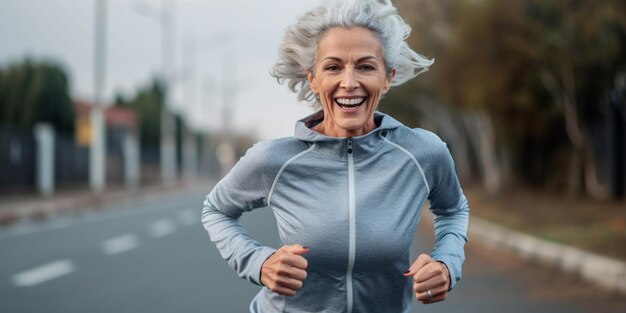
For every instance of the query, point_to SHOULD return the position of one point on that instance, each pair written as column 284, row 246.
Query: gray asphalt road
column 154, row 256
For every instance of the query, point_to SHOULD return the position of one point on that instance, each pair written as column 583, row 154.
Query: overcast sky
column 63, row 31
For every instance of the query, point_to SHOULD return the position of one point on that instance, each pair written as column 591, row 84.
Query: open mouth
column 350, row 104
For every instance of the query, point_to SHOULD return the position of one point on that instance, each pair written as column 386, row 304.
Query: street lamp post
column 190, row 52
column 190, row 149
column 168, row 145
column 97, row 151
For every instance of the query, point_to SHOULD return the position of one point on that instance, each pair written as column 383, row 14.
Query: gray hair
column 298, row 50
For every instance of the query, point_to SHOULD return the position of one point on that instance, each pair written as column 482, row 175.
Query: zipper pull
column 349, row 146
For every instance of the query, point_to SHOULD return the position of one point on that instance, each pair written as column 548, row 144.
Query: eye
column 366, row 68
column 332, row 68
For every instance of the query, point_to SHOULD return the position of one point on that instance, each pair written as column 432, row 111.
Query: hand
column 429, row 274
column 284, row 271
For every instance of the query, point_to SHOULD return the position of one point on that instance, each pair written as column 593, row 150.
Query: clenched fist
column 285, row 270
column 431, row 279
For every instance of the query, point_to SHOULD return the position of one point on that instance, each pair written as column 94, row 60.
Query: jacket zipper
column 352, row 227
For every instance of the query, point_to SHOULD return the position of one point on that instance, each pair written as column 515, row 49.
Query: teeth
column 352, row 101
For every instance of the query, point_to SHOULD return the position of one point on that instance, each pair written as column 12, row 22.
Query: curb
column 600, row 270
column 42, row 208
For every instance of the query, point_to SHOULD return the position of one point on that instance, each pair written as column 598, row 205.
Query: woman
column 348, row 188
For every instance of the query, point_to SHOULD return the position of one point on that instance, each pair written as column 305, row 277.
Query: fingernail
column 305, row 247
column 407, row 272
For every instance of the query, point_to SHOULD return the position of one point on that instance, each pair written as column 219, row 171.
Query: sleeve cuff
column 262, row 255
column 453, row 271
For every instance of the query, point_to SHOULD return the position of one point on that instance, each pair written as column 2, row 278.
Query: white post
column 190, row 155
column 44, row 135
column 190, row 149
column 168, row 142
column 131, row 160
column 97, row 151
column 226, row 150
column 167, row 154
column 168, row 148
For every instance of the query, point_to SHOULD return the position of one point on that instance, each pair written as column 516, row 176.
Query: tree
column 539, row 69
column 468, row 131
column 583, row 52
column 33, row 92
column 147, row 104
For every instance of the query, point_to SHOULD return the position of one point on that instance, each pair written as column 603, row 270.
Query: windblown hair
column 298, row 51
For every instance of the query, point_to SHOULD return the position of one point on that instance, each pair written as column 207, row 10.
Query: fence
column 18, row 161
column 19, row 151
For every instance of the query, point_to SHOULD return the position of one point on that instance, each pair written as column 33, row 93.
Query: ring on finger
column 430, row 295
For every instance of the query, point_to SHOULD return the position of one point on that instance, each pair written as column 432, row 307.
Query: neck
column 328, row 128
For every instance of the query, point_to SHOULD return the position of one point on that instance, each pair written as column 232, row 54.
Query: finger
column 297, row 273
column 297, row 261
column 433, row 273
column 436, row 297
column 291, row 265
column 294, row 257
column 422, row 288
column 288, row 282
column 291, row 271
column 285, row 291
column 435, row 291
column 296, row 249
column 422, row 260
column 434, row 300
column 285, row 280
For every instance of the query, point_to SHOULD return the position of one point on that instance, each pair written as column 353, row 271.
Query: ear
column 388, row 80
column 312, row 81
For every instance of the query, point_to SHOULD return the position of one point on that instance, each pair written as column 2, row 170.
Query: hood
column 363, row 144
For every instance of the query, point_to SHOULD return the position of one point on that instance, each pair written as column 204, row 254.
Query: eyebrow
column 361, row 59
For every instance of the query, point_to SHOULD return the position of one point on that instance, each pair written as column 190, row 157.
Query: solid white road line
column 161, row 228
column 43, row 273
column 189, row 217
column 120, row 244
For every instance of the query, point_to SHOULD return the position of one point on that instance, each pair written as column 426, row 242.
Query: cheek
column 377, row 86
column 327, row 84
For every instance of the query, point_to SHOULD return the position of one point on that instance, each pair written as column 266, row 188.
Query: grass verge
column 595, row 226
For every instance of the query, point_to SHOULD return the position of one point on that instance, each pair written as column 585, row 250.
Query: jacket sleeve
column 449, row 205
column 244, row 188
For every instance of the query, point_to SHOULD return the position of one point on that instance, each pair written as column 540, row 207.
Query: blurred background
column 530, row 97
column 158, row 81
column 139, row 106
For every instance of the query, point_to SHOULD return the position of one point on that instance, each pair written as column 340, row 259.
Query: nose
column 348, row 79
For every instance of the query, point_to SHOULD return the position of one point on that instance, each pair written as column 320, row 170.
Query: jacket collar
column 337, row 146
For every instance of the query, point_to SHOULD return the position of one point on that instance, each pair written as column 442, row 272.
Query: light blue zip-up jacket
column 355, row 202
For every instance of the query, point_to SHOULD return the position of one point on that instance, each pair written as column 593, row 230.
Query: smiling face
column 349, row 76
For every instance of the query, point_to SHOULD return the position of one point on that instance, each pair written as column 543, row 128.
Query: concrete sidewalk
column 600, row 270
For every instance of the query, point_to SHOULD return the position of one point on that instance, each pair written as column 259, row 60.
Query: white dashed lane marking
column 120, row 244
column 43, row 273
column 161, row 228
column 112, row 246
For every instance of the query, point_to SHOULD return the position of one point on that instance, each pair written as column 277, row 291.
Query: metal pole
column 226, row 150
column 168, row 145
column 97, row 151
column 190, row 149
